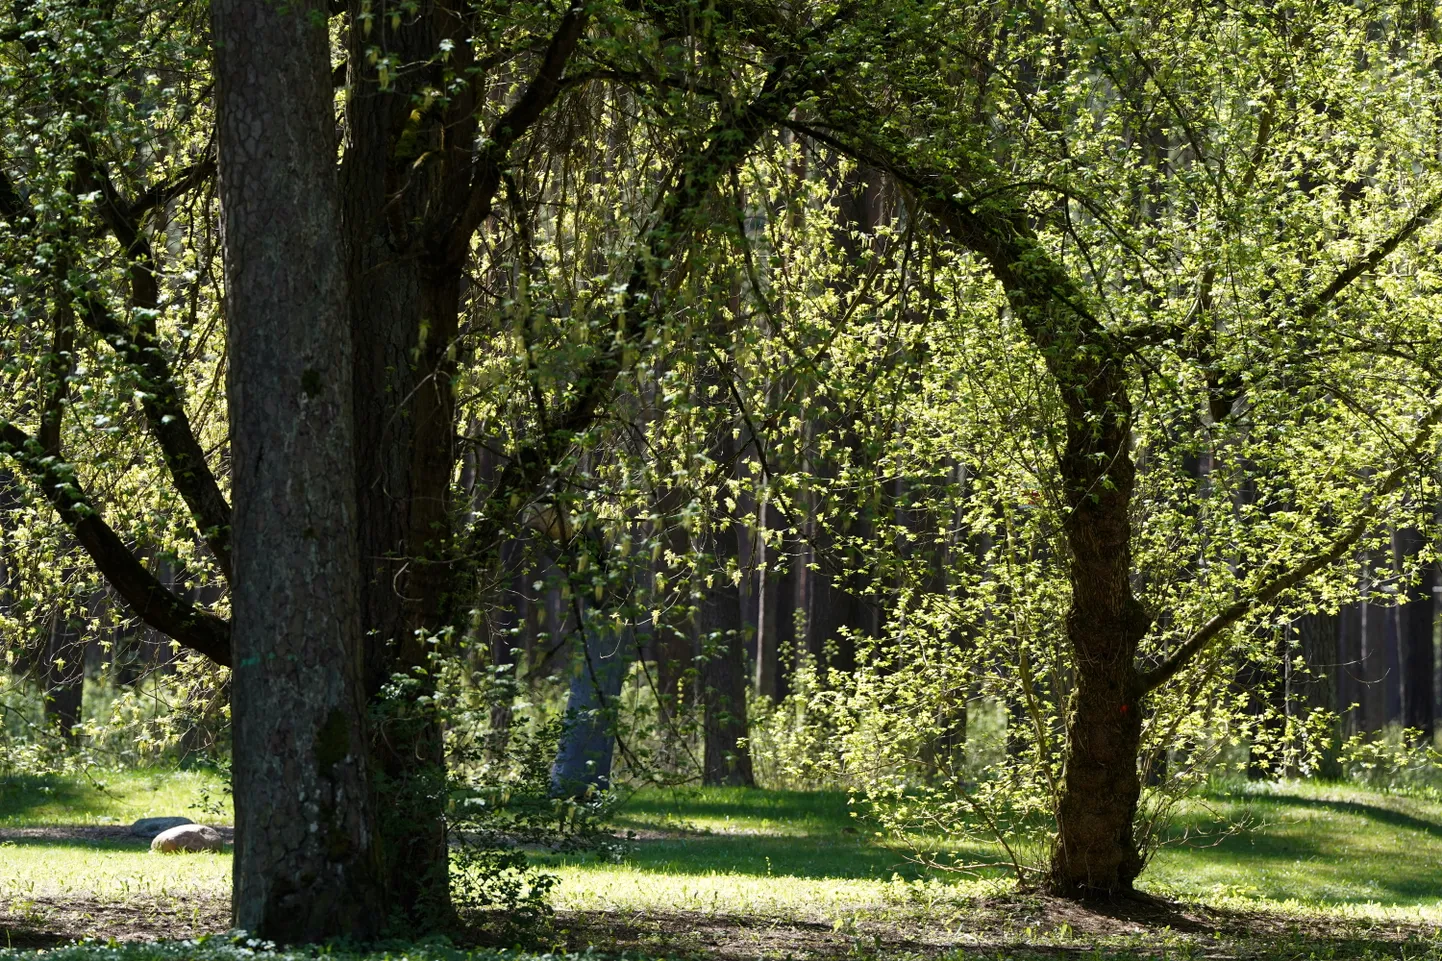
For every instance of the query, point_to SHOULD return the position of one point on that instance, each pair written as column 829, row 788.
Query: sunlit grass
column 1346, row 852
column 1345, row 849
column 107, row 870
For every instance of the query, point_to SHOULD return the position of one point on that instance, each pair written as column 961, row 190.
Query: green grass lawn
column 1319, row 854
column 113, row 797
column 1330, row 846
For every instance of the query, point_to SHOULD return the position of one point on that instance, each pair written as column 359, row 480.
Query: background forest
column 1019, row 417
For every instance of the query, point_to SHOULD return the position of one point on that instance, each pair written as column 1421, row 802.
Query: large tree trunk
column 404, row 311
column 307, row 865
column 1096, row 852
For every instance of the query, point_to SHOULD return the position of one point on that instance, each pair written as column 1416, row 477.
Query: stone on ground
column 188, row 838
column 150, row 827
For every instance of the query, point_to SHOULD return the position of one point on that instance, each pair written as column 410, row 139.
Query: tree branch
column 141, row 348
column 487, row 168
column 1213, row 628
column 147, row 598
column 680, row 214
column 1372, row 260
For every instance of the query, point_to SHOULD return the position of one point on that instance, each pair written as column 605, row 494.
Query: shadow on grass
column 1318, row 863
column 1372, row 812
column 763, row 856
column 23, row 793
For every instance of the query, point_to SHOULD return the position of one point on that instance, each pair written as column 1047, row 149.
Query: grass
column 1328, row 846
column 1320, row 870
column 112, row 797
column 734, row 851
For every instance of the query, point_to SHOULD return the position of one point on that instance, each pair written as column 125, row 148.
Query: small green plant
column 501, row 809
column 1392, row 760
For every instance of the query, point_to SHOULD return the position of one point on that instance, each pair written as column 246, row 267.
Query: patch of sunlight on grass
column 1343, row 848
column 107, row 870
column 113, row 797
column 628, row 888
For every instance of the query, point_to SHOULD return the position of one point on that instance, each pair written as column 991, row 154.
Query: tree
column 307, row 858
column 1079, row 162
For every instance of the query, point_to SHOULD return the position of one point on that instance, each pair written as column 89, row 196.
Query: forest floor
column 1316, row 871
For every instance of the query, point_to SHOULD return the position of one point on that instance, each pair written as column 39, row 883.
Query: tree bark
column 64, row 671
column 727, row 758
column 1096, row 852
column 307, row 864
column 1416, row 620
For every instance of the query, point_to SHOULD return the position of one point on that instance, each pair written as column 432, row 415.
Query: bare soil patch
column 43, row 922
column 1022, row 926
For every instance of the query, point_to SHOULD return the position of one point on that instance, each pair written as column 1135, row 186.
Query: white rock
column 187, row 837
column 150, row 827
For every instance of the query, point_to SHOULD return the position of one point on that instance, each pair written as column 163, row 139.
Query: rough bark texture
column 1096, row 853
column 403, row 318
column 307, row 865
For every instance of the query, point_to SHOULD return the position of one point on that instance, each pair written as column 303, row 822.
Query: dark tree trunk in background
column 1372, row 669
column 64, row 671
column 307, row 864
column 1349, row 668
column 1416, row 621
column 769, row 610
column 727, row 759
column 1320, row 685
column 503, row 639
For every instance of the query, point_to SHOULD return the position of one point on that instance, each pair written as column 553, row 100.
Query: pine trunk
column 727, row 758
column 307, row 865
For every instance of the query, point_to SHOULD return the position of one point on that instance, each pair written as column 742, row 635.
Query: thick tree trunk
column 1096, row 853
column 307, row 865
column 404, row 313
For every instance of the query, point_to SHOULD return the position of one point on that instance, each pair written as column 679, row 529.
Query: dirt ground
column 1021, row 925
column 1004, row 927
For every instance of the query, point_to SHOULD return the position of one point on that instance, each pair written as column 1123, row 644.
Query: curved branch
column 149, row 599
column 488, row 167
column 680, row 214
column 139, row 345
